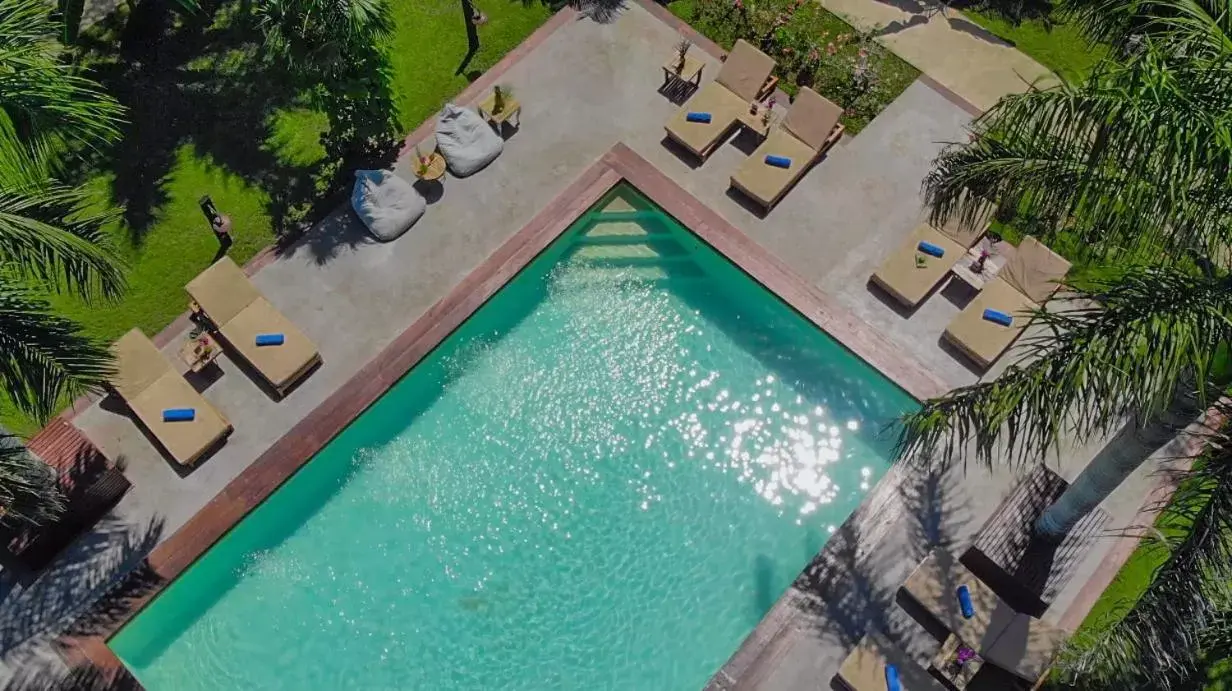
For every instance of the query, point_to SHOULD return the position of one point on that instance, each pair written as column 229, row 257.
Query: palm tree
column 320, row 35
column 1136, row 165
column 51, row 237
column 337, row 49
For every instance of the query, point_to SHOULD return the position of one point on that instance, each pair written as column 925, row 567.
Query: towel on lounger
column 964, row 602
column 931, row 249
column 697, row 117
column 179, row 414
column 891, row 677
column 270, row 339
column 998, row 317
column 778, row 161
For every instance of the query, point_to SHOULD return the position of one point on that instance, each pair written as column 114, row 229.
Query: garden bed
column 813, row 47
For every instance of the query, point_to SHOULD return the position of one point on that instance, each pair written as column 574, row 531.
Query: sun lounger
column 933, row 587
column 909, row 274
column 1009, row 639
column 150, row 385
column 864, row 669
column 241, row 314
column 1030, row 277
column 737, row 85
column 810, row 128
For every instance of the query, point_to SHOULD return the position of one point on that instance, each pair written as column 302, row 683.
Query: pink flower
column 863, row 53
column 831, row 49
column 813, row 55
column 739, row 4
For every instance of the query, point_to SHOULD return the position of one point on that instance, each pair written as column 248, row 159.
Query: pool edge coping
column 306, row 438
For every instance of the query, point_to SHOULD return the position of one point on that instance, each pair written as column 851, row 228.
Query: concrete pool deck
column 585, row 86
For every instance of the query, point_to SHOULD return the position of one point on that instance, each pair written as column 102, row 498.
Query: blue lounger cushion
column 892, row 681
column 931, row 249
column 270, row 339
column 998, row 317
column 778, row 161
column 964, row 602
column 179, row 414
column 697, row 117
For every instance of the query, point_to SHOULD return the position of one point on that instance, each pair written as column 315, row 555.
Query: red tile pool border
column 305, row 439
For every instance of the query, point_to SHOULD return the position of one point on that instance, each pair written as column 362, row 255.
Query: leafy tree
column 51, row 237
column 1134, row 169
column 336, row 49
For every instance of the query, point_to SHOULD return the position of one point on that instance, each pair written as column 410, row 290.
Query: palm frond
column 43, row 98
column 1141, row 155
column 1122, row 347
column 29, row 492
column 1200, row 25
column 1161, row 642
column 44, row 358
column 52, row 233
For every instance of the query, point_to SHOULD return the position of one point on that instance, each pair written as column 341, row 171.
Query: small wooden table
column 497, row 118
column 199, row 352
column 756, row 122
column 690, row 74
column 435, row 170
column 995, row 262
column 944, row 663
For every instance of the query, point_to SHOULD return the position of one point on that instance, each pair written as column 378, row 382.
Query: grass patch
column 814, row 48
column 1058, row 46
column 209, row 119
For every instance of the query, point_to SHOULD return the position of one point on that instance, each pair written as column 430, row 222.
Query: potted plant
column 422, row 163
column 682, row 51
column 499, row 94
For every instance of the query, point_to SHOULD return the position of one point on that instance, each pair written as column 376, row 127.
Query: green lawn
column 1059, row 47
column 208, row 120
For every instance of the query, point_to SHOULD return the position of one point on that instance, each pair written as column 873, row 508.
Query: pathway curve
column 949, row 48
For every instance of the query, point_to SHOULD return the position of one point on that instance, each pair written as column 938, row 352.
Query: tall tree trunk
column 1122, row 456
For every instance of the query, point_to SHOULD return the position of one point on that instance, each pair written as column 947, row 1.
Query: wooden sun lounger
column 738, row 84
column 1032, row 275
column 149, row 384
column 1011, row 640
column 909, row 280
column 809, row 130
column 241, row 313
column 864, row 669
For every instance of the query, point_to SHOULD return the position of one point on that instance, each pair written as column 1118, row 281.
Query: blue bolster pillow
column 270, row 339
column 964, row 602
column 179, row 414
column 697, row 117
column 778, row 161
column 931, row 249
column 998, row 317
column 891, row 676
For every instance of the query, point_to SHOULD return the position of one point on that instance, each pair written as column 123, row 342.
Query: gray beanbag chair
column 386, row 203
column 466, row 140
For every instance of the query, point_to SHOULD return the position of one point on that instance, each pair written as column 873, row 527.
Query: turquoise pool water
column 602, row 480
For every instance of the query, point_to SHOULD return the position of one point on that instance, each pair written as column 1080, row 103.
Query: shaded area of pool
column 603, row 478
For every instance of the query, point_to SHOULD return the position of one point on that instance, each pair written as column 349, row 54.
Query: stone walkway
column 943, row 44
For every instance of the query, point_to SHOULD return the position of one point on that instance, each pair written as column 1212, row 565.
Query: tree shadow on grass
column 198, row 81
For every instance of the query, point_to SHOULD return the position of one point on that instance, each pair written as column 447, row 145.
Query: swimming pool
column 602, row 479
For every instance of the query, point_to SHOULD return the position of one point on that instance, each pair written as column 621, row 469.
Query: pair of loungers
column 1013, row 641
column 159, row 395
column 810, row 128
column 991, row 322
